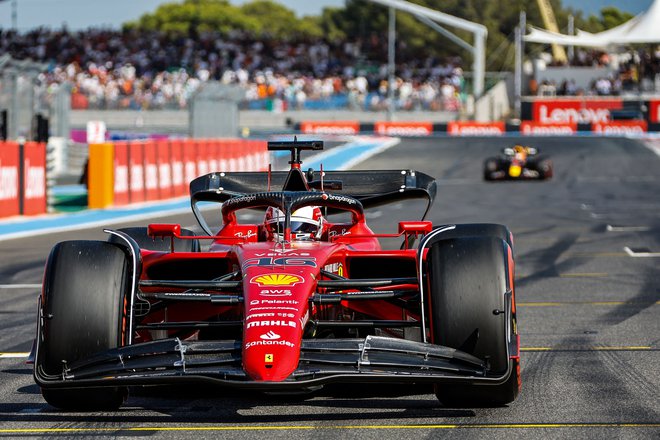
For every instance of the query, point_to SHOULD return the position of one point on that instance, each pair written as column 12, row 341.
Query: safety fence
column 22, row 178
column 121, row 173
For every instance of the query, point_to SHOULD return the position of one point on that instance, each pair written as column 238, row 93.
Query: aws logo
column 277, row 279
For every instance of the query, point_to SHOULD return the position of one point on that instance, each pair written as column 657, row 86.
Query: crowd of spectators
column 633, row 71
column 153, row 70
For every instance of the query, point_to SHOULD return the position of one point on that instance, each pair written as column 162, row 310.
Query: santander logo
column 270, row 336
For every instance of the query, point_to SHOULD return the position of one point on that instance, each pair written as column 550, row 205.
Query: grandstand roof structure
column 643, row 28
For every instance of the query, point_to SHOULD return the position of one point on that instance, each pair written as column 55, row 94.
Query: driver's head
column 306, row 223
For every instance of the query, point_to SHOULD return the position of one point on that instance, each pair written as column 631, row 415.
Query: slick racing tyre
column 468, row 281
column 545, row 168
column 85, row 286
column 139, row 234
column 478, row 230
column 490, row 166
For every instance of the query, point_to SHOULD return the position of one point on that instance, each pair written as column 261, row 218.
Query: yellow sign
column 269, row 359
column 277, row 279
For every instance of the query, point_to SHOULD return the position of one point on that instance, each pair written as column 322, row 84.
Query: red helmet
column 306, row 223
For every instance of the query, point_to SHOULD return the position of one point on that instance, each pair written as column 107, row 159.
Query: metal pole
column 14, row 14
column 479, row 64
column 571, row 31
column 518, row 73
column 391, row 66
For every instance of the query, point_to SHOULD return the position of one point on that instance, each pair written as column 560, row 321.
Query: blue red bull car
column 518, row 163
column 289, row 303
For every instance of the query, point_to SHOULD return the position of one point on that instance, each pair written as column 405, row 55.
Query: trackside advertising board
column 121, row 183
column 9, row 180
column 654, row 111
column 619, row 128
column 330, row 127
column 34, row 178
column 574, row 111
column 403, row 128
column 530, row 128
column 469, row 128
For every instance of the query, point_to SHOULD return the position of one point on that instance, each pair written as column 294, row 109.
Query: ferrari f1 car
column 518, row 163
column 284, row 305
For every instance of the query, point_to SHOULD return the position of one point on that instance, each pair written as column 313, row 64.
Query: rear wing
column 372, row 187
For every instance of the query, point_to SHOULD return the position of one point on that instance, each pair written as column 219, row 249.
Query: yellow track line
column 590, row 348
column 334, row 427
column 577, row 303
column 583, row 275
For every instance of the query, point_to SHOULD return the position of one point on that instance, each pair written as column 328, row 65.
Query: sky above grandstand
column 81, row 14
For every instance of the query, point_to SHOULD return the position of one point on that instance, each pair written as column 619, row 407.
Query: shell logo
column 277, row 279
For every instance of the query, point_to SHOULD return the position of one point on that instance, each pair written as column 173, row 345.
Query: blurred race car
column 287, row 304
column 518, row 162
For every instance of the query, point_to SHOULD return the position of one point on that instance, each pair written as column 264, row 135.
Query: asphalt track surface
column 589, row 315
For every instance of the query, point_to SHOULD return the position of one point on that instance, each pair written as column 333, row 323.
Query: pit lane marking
column 20, row 355
column 338, row 427
column 637, row 254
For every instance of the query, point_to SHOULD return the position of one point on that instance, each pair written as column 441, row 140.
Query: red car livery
column 278, row 305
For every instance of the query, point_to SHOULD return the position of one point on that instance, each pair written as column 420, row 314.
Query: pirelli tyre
column 83, row 311
column 139, row 234
column 491, row 165
column 468, row 279
column 544, row 167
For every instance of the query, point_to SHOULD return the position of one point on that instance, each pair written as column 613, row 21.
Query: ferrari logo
column 269, row 359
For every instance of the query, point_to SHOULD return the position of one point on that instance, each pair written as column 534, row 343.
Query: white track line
column 641, row 254
column 13, row 355
column 20, row 286
column 612, row 228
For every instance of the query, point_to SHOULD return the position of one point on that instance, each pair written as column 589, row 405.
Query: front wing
column 322, row 361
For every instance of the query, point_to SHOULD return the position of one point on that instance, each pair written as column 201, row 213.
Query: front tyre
column 469, row 277
column 83, row 307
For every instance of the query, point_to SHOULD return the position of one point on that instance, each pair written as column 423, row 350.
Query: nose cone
column 271, row 348
column 515, row 170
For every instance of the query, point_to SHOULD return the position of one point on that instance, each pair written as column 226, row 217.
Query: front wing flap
column 372, row 359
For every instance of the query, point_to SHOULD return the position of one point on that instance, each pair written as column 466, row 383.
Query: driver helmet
column 306, row 223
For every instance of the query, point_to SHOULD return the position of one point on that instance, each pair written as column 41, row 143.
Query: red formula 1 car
column 288, row 304
column 518, row 163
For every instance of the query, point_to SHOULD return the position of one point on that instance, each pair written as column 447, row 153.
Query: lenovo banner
column 467, row 128
column 529, row 128
column 9, row 181
column 620, row 128
column 330, row 127
column 577, row 111
column 402, row 128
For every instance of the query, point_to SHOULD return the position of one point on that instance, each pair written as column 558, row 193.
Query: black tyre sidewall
column 85, row 286
column 468, row 279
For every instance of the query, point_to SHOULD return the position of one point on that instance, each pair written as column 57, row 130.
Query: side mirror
column 163, row 230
